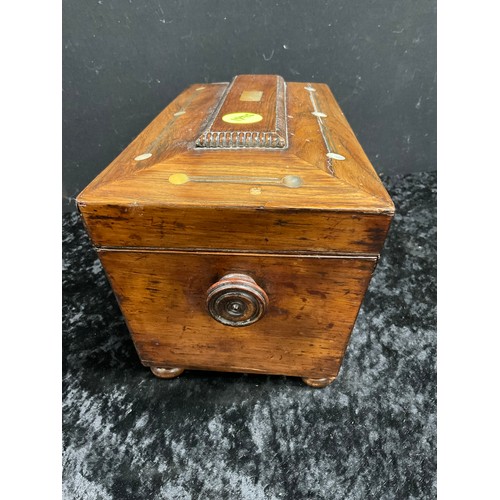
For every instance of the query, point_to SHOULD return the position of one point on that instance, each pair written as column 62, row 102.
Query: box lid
column 255, row 164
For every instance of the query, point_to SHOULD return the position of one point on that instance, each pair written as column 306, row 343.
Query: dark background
column 124, row 61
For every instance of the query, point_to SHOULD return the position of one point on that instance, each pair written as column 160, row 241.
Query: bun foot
column 166, row 372
column 318, row 382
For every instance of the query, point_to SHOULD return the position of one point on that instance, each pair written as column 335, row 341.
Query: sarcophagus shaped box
column 240, row 230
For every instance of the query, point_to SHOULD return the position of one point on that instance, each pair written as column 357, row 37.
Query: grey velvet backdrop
column 124, row 61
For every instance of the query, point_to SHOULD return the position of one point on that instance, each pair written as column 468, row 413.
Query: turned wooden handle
column 236, row 300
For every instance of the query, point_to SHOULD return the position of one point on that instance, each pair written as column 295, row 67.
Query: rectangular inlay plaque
column 249, row 118
column 251, row 95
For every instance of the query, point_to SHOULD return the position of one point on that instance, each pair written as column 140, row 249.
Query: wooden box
column 240, row 230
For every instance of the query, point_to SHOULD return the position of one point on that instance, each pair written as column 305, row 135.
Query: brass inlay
column 178, row 179
column 251, row 95
column 289, row 181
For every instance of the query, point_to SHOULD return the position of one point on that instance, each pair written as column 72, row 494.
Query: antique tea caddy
column 240, row 230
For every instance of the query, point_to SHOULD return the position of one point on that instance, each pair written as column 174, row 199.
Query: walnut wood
column 313, row 303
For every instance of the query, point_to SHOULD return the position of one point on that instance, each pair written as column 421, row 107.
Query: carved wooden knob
column 236, row 300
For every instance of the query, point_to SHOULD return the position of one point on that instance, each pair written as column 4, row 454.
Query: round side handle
column 236, row 300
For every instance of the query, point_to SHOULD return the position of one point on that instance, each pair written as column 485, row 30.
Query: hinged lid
column 257, row 164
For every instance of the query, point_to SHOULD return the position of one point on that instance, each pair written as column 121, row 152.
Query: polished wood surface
column 259, row 190
column 231, row 229
column 192, row 197
column 236, row 300
column 313, row 304
column 252, row 113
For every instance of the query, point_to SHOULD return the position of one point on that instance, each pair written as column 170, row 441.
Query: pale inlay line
column 332, row 153
column 144, row 156
column 289, row 181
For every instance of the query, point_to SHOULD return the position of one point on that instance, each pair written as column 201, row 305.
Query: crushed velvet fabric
column 369, row 435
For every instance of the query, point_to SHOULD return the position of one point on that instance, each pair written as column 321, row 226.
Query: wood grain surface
column 249, row 96
column 338, row 205
column 202, row 228
column 290, row 200
column 313, row 303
